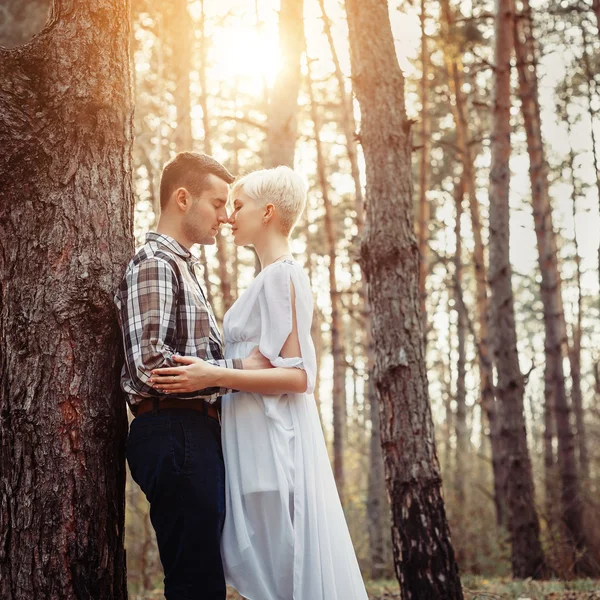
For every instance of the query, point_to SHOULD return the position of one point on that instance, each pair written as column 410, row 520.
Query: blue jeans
column 175, row 456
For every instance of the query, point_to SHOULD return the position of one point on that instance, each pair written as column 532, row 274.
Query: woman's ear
column 268, row 213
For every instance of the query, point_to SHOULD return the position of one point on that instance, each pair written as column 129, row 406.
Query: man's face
column 207, row 212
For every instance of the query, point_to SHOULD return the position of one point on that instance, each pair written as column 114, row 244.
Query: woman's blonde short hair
column 280, row 186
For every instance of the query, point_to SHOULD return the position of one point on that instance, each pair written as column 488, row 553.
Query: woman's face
column 246, row 220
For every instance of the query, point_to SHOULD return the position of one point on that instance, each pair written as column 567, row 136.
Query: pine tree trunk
column 20, row 20
column 572, row 508
column 592, row 90
column 575, row 346
column 337, row 348
column 423, row 555
column 550, row 475
column 462, row 440
column 526, row 556
column 65, row 239
column 376, row 483
column 376, row 500
column 454, row 68
column 282, row 126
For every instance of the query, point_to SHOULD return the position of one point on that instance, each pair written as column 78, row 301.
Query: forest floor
column 481, row 588
column 475, row 588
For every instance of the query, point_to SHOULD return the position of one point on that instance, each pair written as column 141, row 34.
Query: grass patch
column 475, row 588
column 482, row 588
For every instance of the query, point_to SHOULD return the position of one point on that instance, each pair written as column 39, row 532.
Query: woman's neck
column 272, row 249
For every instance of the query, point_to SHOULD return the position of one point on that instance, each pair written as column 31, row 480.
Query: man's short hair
column 281, row 186
column 190, row 170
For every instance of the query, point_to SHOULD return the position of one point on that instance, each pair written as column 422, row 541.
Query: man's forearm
column 263, row 381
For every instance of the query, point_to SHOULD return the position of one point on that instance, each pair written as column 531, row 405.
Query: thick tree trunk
column 454, row 67
column 527, row 557
column 423, row 555
column 20, row 20
column 337, row 348
column 65, row 239
column 554, row 321
column 282, row 126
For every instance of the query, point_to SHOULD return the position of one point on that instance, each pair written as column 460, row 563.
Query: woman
column 285, row 536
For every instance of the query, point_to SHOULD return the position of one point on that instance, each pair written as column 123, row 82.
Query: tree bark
column 526, row 552
column 423, row 555
column 65, row 239
column 337, row 348
column 282, row 126
column 20, row 20
column 550, row 291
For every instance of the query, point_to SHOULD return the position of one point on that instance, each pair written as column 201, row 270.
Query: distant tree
column 526, row 551
column 550, row 292
column 423, row 555
column 282, row 127
column 337, row 346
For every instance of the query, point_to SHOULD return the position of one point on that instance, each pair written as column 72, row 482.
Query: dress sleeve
column 276, row 319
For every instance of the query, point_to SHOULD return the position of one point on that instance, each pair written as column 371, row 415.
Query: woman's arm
column 267, row 381
column 198, row 374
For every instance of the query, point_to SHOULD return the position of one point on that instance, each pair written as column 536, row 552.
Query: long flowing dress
column 285, row 535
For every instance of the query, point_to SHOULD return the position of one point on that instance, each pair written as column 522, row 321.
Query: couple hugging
column 226, row 442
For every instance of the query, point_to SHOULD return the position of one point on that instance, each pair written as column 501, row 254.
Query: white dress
column 285, row 535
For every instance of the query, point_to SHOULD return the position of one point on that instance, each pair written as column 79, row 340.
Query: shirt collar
column 172, row 244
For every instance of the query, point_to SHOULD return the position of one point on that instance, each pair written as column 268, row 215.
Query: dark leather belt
column 205, row 408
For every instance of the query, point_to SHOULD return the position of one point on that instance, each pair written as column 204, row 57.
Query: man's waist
column 147, row 404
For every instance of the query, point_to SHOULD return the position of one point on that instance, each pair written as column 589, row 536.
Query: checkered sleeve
column 149, row 322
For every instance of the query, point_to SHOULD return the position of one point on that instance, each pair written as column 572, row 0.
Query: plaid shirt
column 163, row 311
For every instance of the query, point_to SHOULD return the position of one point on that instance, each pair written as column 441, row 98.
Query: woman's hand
column 196, row 374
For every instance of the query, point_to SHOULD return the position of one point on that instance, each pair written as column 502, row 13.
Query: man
column 174, row 445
